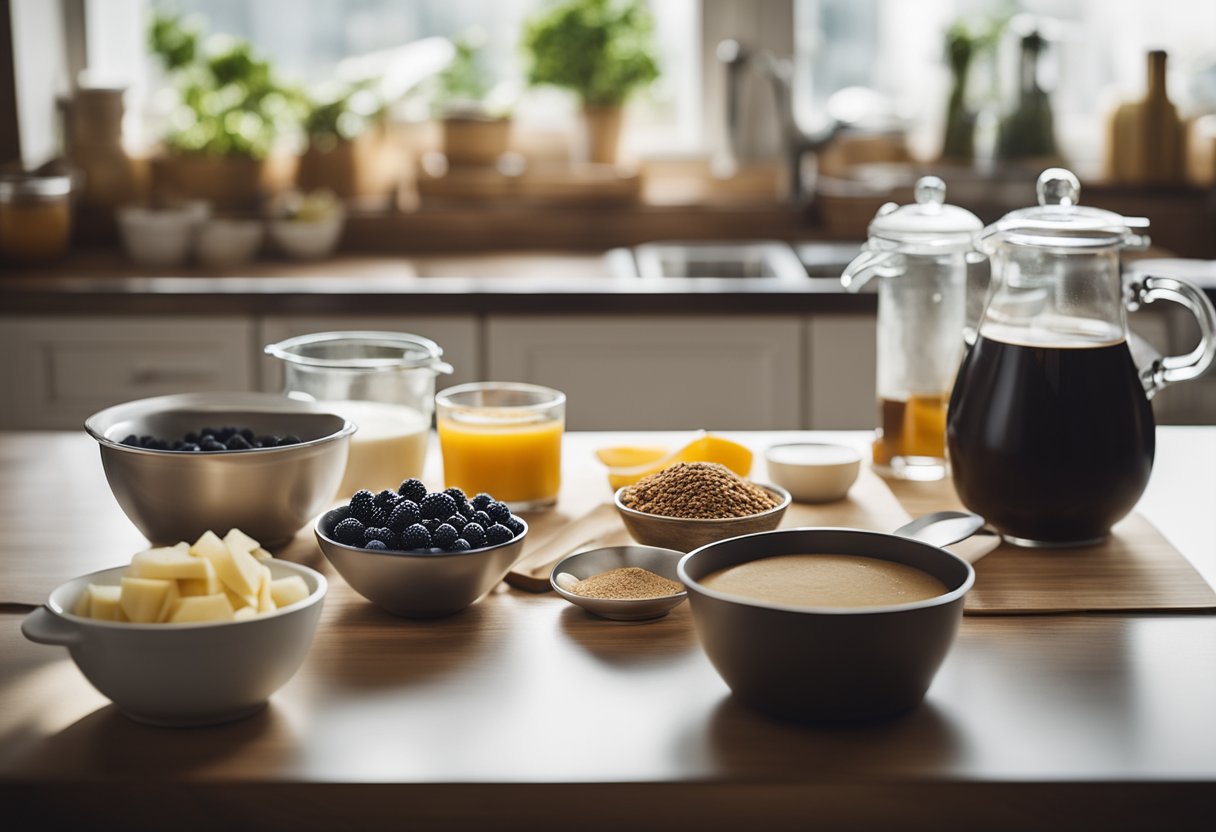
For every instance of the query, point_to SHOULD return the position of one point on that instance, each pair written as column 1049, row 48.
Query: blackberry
column 498, row 512
column 444, row 536
column 190, row 438
column 289, row 439
column 386, row 499
column 460, row 545
column 189, row 446
column 481, row 501
column 131, row 439
column 475, row 533
column 430, row 524
column 207, row 432
column 157, row 444
column 211, row 444
column 177, row 445
column 467, row 511
column 375, row 546
column 438, row 506
column 267, row 441
column 515, row 525
column 236, row 442
column 349, row 532
column 247, row 433
column 483, row 519
column 416, row 537
column 404, row 515
column 498, row 534
column 378, row 518
column 362, row 504
column 385, row 536
column 413, row 489
column 457, row 521
column 225, row 433
column 457, row 495
column 340, row 514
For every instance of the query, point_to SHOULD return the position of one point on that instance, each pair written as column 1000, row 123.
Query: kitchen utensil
column 1147, row 142
column 586, row 564
column 419, row 584
column 503, row 438
column 270, row 493
column 827, row 664
column 1050, row 430
column 384, row 382
column 813, row 472
column 921, row 253
column 685, row 534
column 183, row 674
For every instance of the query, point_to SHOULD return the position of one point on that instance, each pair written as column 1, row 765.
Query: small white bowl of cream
column 813, row 472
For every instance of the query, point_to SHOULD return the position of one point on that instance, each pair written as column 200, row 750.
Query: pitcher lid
column 927, row 225
column 1059, row 221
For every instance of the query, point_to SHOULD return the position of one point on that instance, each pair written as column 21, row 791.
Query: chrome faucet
column 796, row 142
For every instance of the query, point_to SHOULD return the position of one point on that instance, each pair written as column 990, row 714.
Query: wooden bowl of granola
column 692, row 504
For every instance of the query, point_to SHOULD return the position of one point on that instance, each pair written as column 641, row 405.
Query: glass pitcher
column 1050, row 430
column 384, row 382
column 921, row 254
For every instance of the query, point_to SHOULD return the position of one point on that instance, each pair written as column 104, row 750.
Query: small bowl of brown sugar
column 692, row 504
column 624, row 583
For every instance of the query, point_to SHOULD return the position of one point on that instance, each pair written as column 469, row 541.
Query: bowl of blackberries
column 179, row 465
column 419, row 553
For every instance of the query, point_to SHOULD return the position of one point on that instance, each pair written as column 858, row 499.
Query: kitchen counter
column 514, row 282
column 524, row 713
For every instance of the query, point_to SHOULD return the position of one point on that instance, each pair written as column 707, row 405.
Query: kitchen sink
column 765, row 260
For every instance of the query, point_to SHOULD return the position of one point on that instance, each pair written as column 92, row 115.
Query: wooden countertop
column 524, row 713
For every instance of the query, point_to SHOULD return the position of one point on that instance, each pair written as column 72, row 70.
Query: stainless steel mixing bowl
column 269, row 493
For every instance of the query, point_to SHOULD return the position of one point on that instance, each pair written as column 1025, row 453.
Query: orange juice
column 519, row 463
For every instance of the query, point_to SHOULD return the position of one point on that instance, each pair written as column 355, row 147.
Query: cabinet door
column 842, row 354
column 59, row 370
column 657, row 373
column 459, row 337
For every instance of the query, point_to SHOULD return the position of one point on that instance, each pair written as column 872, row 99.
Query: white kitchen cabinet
column 841, row 357
column 658, row 373
column 459, row 336
column 59, row 370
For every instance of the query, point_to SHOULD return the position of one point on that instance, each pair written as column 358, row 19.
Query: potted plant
column 221, row 140
column 351, row 151
column 603, row 50
column 475, row 118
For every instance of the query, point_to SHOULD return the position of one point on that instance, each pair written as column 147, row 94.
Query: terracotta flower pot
column 475, row 140
column 603, row 126
column 229, row 183
column 369, row 165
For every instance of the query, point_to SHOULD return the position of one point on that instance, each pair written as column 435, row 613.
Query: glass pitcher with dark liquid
column 1049, row 428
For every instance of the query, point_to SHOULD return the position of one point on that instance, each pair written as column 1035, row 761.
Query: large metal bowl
column 826, row 664
column 419, row 584
column 269, row 493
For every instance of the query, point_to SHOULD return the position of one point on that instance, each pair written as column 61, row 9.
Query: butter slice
column 147, row 600
column 202, row 608
column 169, row 564
column 288, row 591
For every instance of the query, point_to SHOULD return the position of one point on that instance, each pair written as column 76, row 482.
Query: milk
column 390, row 445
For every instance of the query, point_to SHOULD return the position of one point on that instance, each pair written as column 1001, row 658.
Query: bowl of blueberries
column 180, row 465
column 421, row 554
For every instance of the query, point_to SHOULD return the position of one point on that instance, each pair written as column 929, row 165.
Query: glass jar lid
column 1059, row 221
column 927, row 226
column 361, row 350
column 33, row 186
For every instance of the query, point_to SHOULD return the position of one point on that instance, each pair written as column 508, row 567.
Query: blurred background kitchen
column 646, row 205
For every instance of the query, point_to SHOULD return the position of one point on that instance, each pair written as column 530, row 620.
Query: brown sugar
column 627, row 583
column 698, row 490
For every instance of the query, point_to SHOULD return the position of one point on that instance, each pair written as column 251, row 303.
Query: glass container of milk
column 384, row 382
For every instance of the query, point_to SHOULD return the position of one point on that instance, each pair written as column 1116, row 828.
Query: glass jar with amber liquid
column 921, row 254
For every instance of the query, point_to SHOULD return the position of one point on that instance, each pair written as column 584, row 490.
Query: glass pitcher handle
column 1171, row 368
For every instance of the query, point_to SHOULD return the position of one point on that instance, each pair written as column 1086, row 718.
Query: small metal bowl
column 684, row 534
column 269, row 493
column 420, row 584
column 585, row 564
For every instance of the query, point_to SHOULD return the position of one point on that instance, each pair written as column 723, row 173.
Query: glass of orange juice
column 503, row 438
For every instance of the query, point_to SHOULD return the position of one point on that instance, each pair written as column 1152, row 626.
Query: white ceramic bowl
column 227, row 242
column 158, row 236
column 183, row 674
column 813, row 472
column 308, row 239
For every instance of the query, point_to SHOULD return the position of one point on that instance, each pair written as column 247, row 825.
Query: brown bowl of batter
column 826, row 624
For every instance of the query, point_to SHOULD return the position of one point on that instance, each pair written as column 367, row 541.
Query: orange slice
column 630, row 456
column 705, row 448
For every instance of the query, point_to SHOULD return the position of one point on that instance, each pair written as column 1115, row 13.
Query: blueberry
column 497, row 534
column 131, row 439
column 416, row 537
column 475, row 533
column 375, row 546
column 413, row 489
column 481, row 501
column 460, row 545
column 236, row 442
